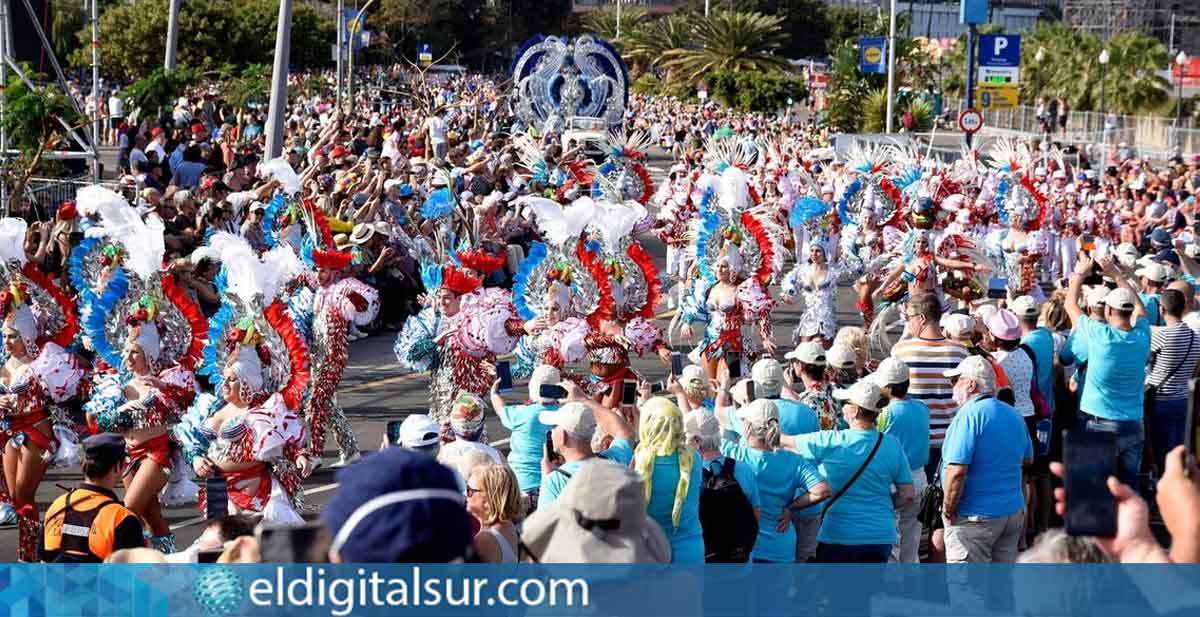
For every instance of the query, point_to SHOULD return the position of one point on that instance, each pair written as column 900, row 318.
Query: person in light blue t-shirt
column 986, row 446
column 574, row 425
column 906, row 419
column 785, row 481
column 860, row 524
column 1117, row 353
column 672, row 473
column 528, row 439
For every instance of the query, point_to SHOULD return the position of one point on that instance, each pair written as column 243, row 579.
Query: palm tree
column 603, row 23
column 730, row 41
column 647, row 45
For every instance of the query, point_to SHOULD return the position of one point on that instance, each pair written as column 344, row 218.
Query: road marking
column 395, row 379
column 316, row 490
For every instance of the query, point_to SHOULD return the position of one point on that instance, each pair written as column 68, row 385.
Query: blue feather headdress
column 537, row 254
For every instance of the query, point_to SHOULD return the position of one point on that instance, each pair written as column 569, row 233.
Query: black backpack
column 726, row 517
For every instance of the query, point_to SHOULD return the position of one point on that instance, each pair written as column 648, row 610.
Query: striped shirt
column 927, row 360
column 1169, row 347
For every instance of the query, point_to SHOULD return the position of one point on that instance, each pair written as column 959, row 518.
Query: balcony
column 653, row 7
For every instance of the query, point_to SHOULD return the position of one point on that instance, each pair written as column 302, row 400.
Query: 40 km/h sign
column 970, row 120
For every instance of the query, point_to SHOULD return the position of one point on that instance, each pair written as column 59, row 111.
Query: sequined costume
column 1020, row 206
column 459, row 349
column 730, row 231
column 256, row 442
column 818, row 317
column 40, row 381
column 129, row 302
column 334, row 309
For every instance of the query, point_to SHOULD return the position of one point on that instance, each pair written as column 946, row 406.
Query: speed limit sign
column 970, row 120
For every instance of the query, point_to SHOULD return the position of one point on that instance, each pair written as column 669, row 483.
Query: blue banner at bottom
column 653, row 591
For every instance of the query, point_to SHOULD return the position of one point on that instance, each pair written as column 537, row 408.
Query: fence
column 43, row 196
column 1154, row 136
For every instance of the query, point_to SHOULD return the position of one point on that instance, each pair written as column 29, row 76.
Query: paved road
column 374, row 391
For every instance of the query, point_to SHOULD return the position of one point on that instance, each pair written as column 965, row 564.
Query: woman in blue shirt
column 860, row 524
column 785, row 480
column 671, row 471
column 528, row 439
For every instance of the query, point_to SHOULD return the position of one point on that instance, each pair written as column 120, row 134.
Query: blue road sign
column 973, row 12
column 1000, row 50
column 872, row 54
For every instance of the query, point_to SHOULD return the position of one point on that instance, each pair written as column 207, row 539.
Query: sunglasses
column 472, row 491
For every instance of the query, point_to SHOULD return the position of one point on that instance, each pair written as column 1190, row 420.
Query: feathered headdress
column 252, row 329
column 481, row 260
column 1017, row 199
column 319, row 250
column 458, row 281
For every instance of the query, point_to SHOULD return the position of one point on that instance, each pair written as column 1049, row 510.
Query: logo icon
column 219, row 591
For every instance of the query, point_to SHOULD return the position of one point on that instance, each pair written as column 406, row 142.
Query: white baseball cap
column 1024, row 306
column 544, row 374
column 759, row 412
column 976, row 368
column 1120, row 299
column 957, row 325
column 863, row 393
column 419, row 431
column 1153, row 271
column 841, row 357
column 808, row 352
column 574, row 418
column 1095, row 296
column 891, row 371
column 768, row 377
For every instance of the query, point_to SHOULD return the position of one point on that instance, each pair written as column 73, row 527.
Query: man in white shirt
column 437, row 129
column 116, row 115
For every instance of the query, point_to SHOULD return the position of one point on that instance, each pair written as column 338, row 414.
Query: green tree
column 34, row 121
column 729, row 41
column 211, row 33
column 153, row 93
column 1071, row 69
column 753, row 91
column 647, row 45
column 603, row 23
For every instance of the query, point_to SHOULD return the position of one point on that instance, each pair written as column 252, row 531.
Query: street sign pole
column 891, row 82
column 971, row 38
column 341, row 49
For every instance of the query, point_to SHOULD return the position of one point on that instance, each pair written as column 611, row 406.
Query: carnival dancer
column 675, row 211
column 1022, row 209
column 339, row 302
column 736, row 257
column 148, row 333
column 816, row 279
column 251, row 431
column 37, row 377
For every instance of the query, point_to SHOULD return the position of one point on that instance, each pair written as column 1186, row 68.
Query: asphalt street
column 374, row 391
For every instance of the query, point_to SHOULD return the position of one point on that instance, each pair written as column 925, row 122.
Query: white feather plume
column 561, row 225
column 733, row 191
column 12, row 240
column 246, row 275
column 616, row 221
column 121, row 223
column 279, row 169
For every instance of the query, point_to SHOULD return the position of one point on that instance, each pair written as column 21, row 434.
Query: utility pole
column 891, row 82
column 97, row 99
column 3, row 107
column 341, row 50
column 172, row 34
column 618, row 19
column 972, row 37
column 279, row 81
column 356, row 27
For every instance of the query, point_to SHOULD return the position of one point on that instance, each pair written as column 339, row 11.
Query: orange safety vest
column 81, row 525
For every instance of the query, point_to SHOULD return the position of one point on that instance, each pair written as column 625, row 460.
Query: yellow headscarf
column 661, row 434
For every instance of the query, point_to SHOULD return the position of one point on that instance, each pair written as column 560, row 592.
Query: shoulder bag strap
column 829, row 504
column 1186, row 354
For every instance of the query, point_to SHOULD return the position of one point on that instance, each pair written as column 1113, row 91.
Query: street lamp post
column 1103, row 77
column 1037, row 76
column 1181, row 62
